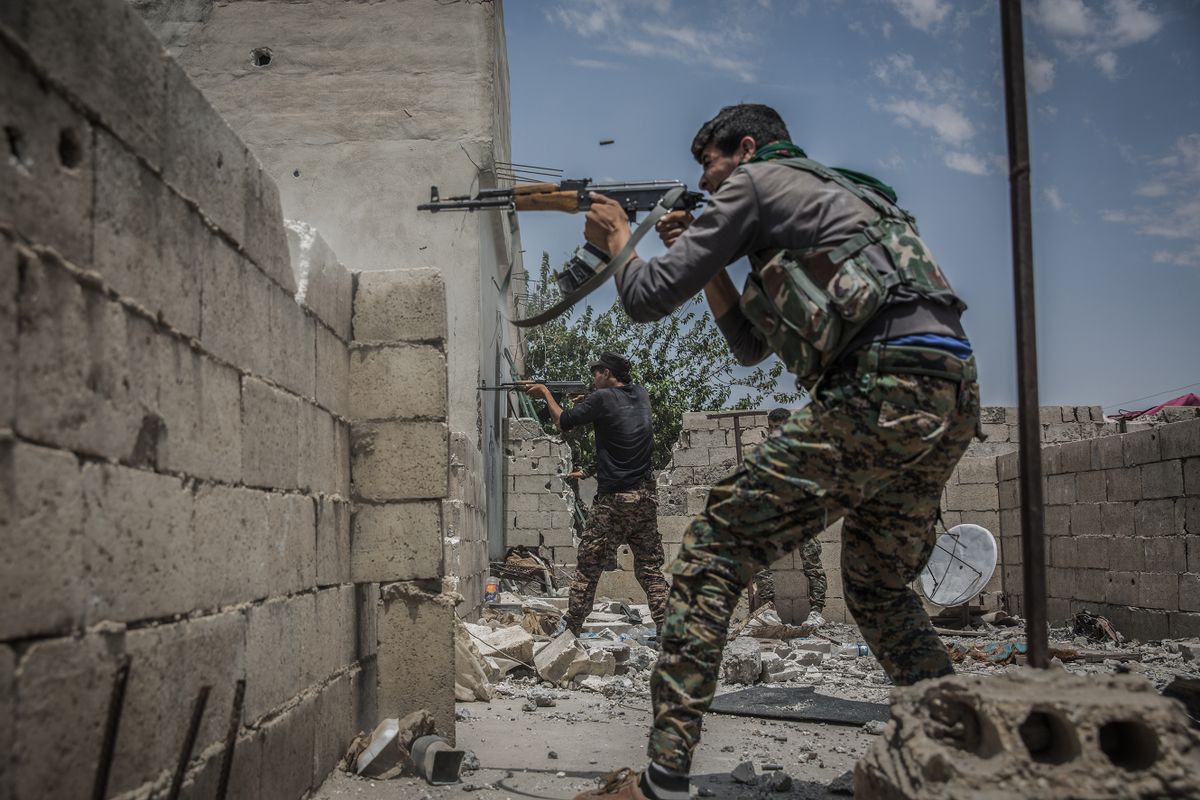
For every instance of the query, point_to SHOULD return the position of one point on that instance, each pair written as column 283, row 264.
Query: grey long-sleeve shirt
column 765, row 206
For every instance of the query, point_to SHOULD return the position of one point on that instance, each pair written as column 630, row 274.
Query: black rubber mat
column 798, row 703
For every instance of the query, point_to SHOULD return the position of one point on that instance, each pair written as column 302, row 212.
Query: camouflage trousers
column 619, row 518
column 810, row 558
column 876, row 447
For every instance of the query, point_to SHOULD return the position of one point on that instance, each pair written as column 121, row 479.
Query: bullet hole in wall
column 261, row 56
column 295, row 173
column 69, row 151
column 16, row 142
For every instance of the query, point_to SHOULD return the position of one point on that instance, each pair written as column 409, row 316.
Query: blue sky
column 911, row 91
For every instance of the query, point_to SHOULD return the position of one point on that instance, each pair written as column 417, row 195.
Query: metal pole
column 112, row 724
column 189, row 742
column 1033, row 541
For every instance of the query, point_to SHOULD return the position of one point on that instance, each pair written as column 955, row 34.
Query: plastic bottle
column 855, row 650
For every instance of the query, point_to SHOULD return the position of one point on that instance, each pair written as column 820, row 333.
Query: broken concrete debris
column 387, row 752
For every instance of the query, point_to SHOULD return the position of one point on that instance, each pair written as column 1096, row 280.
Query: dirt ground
column 589, row 735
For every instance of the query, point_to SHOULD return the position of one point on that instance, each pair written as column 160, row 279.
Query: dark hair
column 727, row 128
column 778, row 415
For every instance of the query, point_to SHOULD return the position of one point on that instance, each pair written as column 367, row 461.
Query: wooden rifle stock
column 548, row 201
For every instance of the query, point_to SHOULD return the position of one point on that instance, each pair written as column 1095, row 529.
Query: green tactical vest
column 810, row 304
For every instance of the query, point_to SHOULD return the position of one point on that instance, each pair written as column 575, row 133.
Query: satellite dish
column 962, row 563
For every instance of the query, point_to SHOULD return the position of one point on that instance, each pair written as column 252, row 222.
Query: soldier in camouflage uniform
column 625, row 510
column 843, row 290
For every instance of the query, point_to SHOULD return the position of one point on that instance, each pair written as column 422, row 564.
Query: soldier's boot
column 621, row 784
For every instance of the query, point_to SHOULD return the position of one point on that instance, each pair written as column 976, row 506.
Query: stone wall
column 1122, row 523
column 356, row 109
column 539, row 504
column 176, row 412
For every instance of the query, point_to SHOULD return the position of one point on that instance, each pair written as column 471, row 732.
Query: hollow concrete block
column 400, row 306
column 396, row 541
column 46, row 178
column 415, row 629
column 399, row 460
column 1034, row 733
column 270, row 435
column 403, row 382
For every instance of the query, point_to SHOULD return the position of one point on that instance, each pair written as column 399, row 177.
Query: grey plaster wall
column 361, row 108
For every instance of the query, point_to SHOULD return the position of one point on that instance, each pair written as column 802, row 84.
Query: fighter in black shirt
column 626, row 506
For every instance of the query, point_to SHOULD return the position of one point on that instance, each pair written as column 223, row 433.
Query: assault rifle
column 556, row 387
column 589, row 266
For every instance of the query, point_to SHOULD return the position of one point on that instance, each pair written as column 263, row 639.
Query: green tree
column 682, row 361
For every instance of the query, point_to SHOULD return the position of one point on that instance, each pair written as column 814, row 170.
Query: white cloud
column 886, row 28
column 1106, row 62
column 1170, row 208
column 949, row 124
column 592, row 63
column 923, row 14
column 966, row 162
column 1063, row 17
column 1096, row 30
column 1053, row 198
column 1152, row 189
column 650, row 30
column 1039, row 71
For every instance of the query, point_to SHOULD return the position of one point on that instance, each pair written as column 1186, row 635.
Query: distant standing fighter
column 626, row 506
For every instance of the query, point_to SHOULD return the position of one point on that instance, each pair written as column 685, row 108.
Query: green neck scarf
column 785, row 149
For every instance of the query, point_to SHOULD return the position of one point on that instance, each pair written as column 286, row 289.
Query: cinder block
column 1165, row 554
column 333, row 541
column 404, row 382
column 263, row 236
column 292, row 537
column 697, row 499
column 1085, row 520
column 41, row 527
column 1191, row 476
column 1060, row 489
column 1122, row 589
column 168, row 665
column 1140, row 447
column 336, row 723
column 321, row 454
column 277, row 626
column 332, row 373
column 291, row 351
column 199, row 406
column 327, row 286
column 1051, row 461
column 1076, row 456
column 232, row 546
column 399, row 306
column 1092, row 551
column 270, row 435
column 287, row 752
column 138, row 551
column 10, row 269
column 234, row 319
column 1147, row 625
column 8, row 698
column 1189, row 592
column 1158, row 518
column 1191, row 509
column 396, row 541
column 1057, row 520
column 698, row 421
column 707, row 438
column 1064, row 552
column 1007, row 466
column 1127, row 553
column 1061, row 432
column 416, row 654
column 1158, row 590
column 74, row 385
column 1124, row 484
column 146, row 239
column 47, row 174
column 204, row 160
column 977, row 470
column 1108, row 452
column 672, row 528
column 1184, row 626
column 62, row 693
column 1162, row 479
column 1117, row 519
column 399, row 460
column 1180, row 439
column 335, row 645
column 973, row 497
column 994, row 432
column 1090, row 487
column 690, row 457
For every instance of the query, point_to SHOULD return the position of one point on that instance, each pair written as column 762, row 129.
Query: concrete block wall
column 465, row 518
column 1122, row 523
column 174, row 439
column 1058, row 424
column 400, row 473
column 539, row 505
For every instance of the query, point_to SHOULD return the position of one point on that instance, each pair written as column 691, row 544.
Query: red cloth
column 1189, row 399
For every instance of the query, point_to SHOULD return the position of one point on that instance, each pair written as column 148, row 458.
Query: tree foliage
column 682, row 361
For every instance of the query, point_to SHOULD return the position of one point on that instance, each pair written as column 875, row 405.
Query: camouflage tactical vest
column 810, row 304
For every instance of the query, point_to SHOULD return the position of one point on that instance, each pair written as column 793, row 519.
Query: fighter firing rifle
column 589, row 266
